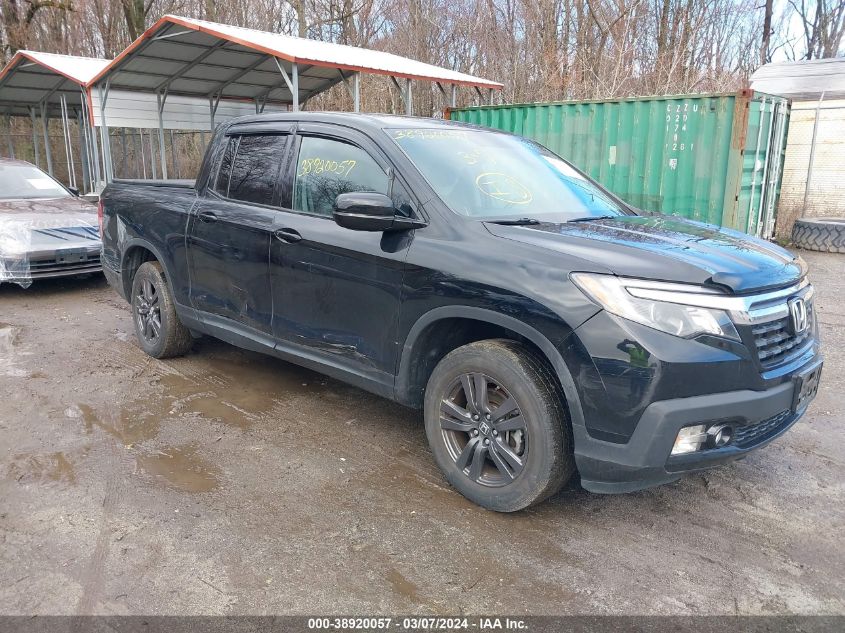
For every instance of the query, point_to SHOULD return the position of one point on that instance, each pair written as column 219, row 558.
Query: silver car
column 46, row 230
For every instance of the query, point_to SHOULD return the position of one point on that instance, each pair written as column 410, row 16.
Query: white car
column 46, row 230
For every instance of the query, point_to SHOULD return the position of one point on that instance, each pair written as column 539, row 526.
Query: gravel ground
column 226, row 482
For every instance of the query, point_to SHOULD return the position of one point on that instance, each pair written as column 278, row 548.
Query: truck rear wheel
column 157, row 326
column 497, row 425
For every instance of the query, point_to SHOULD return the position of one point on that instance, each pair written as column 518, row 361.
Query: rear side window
column 327, row 168
column 255, row 169
column 250, row 168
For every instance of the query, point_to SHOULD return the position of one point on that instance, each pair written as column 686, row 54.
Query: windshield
column 494, row 176
column 27, row 182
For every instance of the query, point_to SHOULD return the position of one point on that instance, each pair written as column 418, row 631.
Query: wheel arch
column 136, row 252
column 415, row 365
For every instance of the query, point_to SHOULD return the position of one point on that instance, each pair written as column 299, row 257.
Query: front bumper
column 49, row 263
column 646, row 460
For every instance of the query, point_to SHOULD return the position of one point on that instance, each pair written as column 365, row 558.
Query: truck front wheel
column 159, row 331
column 497, row 425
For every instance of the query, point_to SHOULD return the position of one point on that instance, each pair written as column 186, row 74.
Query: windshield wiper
column 516, row 221
column 593, row 218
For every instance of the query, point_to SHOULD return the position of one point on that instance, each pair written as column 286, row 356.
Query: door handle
column 287, row 235
column 207, row 216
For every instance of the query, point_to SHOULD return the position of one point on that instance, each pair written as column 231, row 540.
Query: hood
column 37, row 225
column 71, row 204
column 667, row 248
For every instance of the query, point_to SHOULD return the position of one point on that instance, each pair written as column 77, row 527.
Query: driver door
column 335, row 290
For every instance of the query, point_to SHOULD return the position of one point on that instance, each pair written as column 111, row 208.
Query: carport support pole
column 213, row 102
column 812, row 156
column 141, row 166
column 356, row 90
column 104, row 135
column 71, row 169
column 295, row 82
column 174, row 153
column 162, row 154
column 91, row 140
column 34, row 138
column 454, row 100
column 489, row 96
column 45, row 130
column 409, row 99
column 9, row 141
column 83, row 151
column 153, row 158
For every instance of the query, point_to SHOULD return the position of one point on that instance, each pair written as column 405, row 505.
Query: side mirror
column 364, row 211
column 74, row 191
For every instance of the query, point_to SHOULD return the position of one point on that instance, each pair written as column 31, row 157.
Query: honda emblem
column 798, row 314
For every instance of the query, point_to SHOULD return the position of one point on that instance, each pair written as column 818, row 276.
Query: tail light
column 100, row 217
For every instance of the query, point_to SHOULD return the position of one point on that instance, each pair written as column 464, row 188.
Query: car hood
column 36, row 225
column 667, row 248
column 58, row 206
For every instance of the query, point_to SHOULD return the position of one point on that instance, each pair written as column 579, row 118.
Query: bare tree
column 541, row 50
column 824, row 26
column 767, row 32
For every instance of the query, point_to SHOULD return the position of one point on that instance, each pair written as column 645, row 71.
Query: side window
column 328, row 168
column 221, row 185
column 255, row 169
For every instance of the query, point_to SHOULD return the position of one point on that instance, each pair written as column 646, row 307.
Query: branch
column 36, row 5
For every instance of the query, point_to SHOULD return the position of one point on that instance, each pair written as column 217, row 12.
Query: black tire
column 512, row 376
column 159, row 331
column 820, row 234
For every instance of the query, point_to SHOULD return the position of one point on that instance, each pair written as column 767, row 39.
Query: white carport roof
column 802, row 80
column 196, row 58
column 32, row 78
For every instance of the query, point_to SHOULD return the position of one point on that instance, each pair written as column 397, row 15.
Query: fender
column 137, row 241
column 495, row 318
column 186, row 313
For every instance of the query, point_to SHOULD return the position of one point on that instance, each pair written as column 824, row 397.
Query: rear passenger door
column 230, row 230
column 336, row 291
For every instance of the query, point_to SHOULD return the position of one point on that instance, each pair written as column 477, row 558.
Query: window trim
column 213, row 187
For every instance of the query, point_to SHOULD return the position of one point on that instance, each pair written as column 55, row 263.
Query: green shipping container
column 715, row 158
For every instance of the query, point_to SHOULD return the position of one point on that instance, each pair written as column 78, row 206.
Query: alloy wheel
column 148, row 311
column 484, row 430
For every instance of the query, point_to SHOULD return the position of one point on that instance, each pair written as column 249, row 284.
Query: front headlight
column 633, row 299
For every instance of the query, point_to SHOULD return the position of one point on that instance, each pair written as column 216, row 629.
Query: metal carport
column 198, row 59
column 45, row 85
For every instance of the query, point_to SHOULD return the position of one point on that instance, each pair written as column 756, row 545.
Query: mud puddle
column 402, row 586
column 182, row 468
column 131, row 427
column 239, row 390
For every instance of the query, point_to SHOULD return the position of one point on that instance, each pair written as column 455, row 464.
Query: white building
column 814, row 164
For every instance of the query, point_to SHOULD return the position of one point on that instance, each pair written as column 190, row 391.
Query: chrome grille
column 55, row 268
column 750, row 434
column 776, row 343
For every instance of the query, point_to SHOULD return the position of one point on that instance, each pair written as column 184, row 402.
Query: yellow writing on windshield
column 471, row 158
column 503, row 187
column 428, row 135
column 325, row 165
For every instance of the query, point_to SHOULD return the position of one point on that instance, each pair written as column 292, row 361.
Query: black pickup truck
column 544, row 326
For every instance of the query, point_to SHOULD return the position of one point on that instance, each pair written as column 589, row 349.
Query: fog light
column 690, row 439
column 719, row 435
